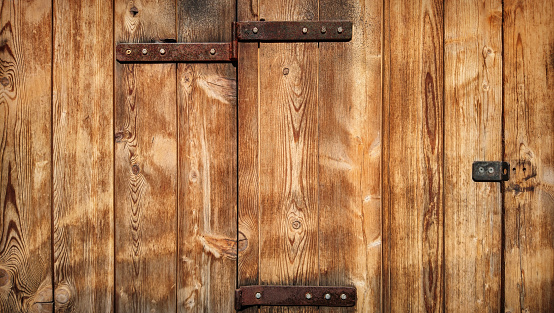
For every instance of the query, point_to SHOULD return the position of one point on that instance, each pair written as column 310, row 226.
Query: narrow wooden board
column 207, row 235
column 248, row 145
column 83, row 156
column 349, row 98
column 413, row 156
column 288, row 160
column 473, row 132
column 25, row 156
column 529, row 148
column 145, row 164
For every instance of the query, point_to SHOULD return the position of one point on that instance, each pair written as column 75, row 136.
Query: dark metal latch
column 490, row 171
column 295, row 296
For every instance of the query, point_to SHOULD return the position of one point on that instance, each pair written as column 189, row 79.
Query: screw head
column 162, row 51
column 340, row 30
column 308, row 296
column 258, row 295
column 327, row 296
column 144, row 51
column 212, row 51
column 304, row 30
column 128, row 51
column 255, row 30
column 343, row 296
column 491, row 170
column 323, row 29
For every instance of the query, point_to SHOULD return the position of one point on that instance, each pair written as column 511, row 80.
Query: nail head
column 340, row 30
column 144, row 51
column 128, row 51
column 343, row 296
column 255, row 30
column 162, row 51
column 304, row 30
column 212, row 51
column 258, row 295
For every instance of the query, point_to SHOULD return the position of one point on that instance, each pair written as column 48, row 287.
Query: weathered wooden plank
column 83, row 156
column 207, row 165
column 473, row 132
column 145, row 165
column 25, row 156
column 288, row 147
column 529, row 147
column 350, row 154
column 413, row 158
column 248, row 179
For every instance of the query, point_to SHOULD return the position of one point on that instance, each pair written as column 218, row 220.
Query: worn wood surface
column 25, row 156
column 413, row 157
column 529, row 147
column 83, row 156
column 473, row 132
column 349, row 110
column 207, row 255
column 145, row 165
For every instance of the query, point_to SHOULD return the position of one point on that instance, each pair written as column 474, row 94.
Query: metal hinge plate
column 490, row 171
column 260, row 31
column 294, row 296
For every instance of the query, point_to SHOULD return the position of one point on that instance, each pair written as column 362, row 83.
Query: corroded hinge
column 259, row 31
column 294, row 296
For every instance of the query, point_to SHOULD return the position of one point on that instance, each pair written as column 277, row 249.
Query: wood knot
column 4, row 81
column 193, row 175
column 136, row 169
column 285, row 71
column 4, row 277
column 134, row 11
column 296, row 224
column 63, row 295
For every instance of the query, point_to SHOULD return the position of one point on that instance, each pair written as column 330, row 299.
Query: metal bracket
column 295, row 296
column 259, row 31
column 490, row 171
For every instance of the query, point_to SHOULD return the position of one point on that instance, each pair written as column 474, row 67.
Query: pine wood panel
column 529, row 147
column 207, row 246
column 145, row 165
column 413, row 156
column 288, row 147
column 25, row 156
column 473, row 132
column 350, row 154
column 83, row 156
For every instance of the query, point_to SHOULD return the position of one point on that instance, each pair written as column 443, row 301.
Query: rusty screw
column 343, row 296
column 212, row 51
column 144, row 51
column 327, row 296
column 128, row 51
column 339, row 30
column 323, row 29
column 258, row 295
column 255, row 30
column 162, row 51
column 304, row 30
column 308, row 296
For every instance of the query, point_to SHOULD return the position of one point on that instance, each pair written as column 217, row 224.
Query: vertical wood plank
column 145, row 164
column 248, row 144
column 529, row 147
column 473, row 132
column 25, row 156
column 83, row 156
column 288, row 128
column 350, row 154
column 207, row 164
column 413, row 158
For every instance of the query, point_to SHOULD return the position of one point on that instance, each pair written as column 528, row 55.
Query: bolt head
column 304, row 30
column 327, row 296
column 212, row 51
column 491, row 170
column 323, row 29
column 128, row 51
column 162, row 51
column 144, row 51
column 308, row 296
column 255, row 30
column 340, row 30
column 258, row 295
column 343, row 296
column 481, row 170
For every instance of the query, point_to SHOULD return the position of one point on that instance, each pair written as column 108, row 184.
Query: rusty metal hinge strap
column 295, row 296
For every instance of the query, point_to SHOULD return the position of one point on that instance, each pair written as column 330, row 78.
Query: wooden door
column 163, row 187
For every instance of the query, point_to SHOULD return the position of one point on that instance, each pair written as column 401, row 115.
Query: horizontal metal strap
column 294, row 31
column 295, row 296
column 173, row 52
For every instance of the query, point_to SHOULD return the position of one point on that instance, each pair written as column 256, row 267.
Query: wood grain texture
column 248, row 160
column 83, row 156
column 413, row 156
column 207, row 232
column 145, row 165
column 288, row 148
column 529, row 147
column 350, row 154
column 25, row 156
column 473, row 132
